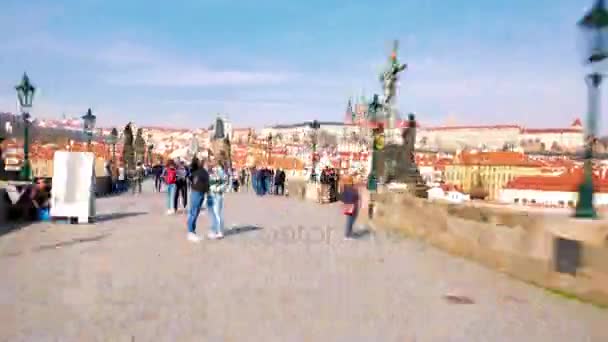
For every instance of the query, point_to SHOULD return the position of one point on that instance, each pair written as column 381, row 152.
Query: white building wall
column 564, row 139
column 457, row 138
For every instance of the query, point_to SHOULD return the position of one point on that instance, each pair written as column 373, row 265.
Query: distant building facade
column 490, row 171
column 497, row 137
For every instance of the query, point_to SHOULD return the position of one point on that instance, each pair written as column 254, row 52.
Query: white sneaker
column 211, row 236
column 219, row 235
column 193, row 237
column 170, row 212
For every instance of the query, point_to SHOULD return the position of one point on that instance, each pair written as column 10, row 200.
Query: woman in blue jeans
column 218, row 184
column 170, row 177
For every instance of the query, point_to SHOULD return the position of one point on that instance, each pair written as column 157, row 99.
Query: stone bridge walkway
column 283, row 273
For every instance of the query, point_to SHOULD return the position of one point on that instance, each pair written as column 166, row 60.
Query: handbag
column 349, row 209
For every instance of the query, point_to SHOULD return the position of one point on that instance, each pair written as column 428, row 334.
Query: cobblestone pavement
column 283, row 273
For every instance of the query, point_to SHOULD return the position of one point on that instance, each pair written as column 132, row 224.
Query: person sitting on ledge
column 41, row 199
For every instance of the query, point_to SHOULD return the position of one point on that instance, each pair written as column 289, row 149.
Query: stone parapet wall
column 519, row 244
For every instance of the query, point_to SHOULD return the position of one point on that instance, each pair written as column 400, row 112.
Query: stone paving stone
column 135, row 277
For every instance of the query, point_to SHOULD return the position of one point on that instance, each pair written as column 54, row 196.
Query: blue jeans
column 170, row 196
column 254, row 184
column 216, row 207
column 350, row 221
column 196, row 201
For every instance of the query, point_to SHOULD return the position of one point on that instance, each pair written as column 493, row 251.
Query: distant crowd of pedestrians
column 269, row 181
column 199, row 185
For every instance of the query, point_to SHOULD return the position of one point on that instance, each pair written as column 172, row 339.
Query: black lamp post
column 377, row 142
column 25, row 94
column 594, row 29
column 314, row 125
column 88, row 126
column 112, row 139
column 377, row 145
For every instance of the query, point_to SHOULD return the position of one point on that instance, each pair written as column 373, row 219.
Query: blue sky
column 177, row 63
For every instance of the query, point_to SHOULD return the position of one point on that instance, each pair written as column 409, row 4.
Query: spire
column 349, row 115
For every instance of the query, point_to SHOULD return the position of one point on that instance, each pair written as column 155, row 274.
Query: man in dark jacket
column 157, row 171
column 279, row 182
column 200, row 188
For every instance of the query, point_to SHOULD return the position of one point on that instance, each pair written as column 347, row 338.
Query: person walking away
column 279, row 182
column 350, row 200
column 199, row 189
column 218, row 184
column 107, row 172
column 138, row 178
column 170, row 177
column 235, row 182
column 265, row 180
column 181, row 185
column 157, row 171
column 122, row 178
column 242, row 179
column 271, row 175
column 255, row 180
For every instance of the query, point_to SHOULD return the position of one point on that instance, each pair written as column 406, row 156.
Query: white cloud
column 212, row 102
column 188, row 76
column 131, row 64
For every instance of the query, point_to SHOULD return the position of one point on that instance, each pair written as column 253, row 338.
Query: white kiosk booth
column 73, row 191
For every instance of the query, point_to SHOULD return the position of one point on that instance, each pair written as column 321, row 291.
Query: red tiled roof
column 566, row 182
column 496, row 158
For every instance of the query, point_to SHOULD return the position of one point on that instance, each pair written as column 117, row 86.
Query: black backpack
column 200, row 180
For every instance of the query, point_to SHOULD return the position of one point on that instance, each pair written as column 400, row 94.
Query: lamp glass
column 25, row 92
column 594, row 33
column 89, row 121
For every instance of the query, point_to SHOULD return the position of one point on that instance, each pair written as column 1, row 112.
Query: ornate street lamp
column 111, row 140
column 594, row 29
column 25, row 94
column 88, row 125
column 314, row 125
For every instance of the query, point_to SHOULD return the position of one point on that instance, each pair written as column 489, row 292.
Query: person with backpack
column 170, row 177
column 200, row 189
column 181, row 185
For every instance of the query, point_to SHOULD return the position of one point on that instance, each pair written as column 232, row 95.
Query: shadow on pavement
column 241, row 229
column 117, row 216
column 361, row 234
column 71, row 242
column 12, row 226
